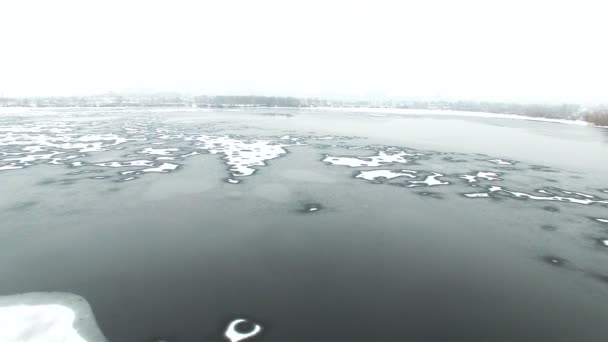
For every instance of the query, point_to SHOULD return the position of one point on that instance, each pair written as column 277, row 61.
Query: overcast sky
column 513, row 50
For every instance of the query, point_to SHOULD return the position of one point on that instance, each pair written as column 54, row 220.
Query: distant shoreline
column 458, row 113
column 371, row 110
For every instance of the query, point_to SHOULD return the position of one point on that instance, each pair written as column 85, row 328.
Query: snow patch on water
column 47, row 317
column 12, row 166
column 140, row 162
column 382, row 158
column 478, row 195
column 388, row 174
column 500, row 162
column 165, row 167
column 431, row 180
column 480, row 175
column 159, row 151
column 242, row 155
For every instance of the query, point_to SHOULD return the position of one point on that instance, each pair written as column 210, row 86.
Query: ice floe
column 241, row 155
column 382, row 158
column 478, row 195
column 159, row 151
column 233, row 333
column 10, row 167
column 550, row 197
column 388, row 174
column 164, row 167
column 481, row 175
column 140, row 162
column 47, row 317
column 500, row 162
column 431, row 180
column 602, row 220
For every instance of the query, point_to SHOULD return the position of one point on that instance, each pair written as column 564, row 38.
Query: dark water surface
column 173, row 223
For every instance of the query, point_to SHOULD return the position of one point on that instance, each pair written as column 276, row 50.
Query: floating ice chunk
column 381, row 159
column 233, row 181
column 159, row 151
column 33, row 157
column 578, row 194
column 140, row 162
column 430, row 180
column 47, row 317
column 242, row 155
column 128, row 179
column 605, row 242
column 193, row 153
column 11, row 166
column 478, row 195
column 165, row 167
column 554, row 198
column 482, row 175
column 388, row 174
column 602, row 220
column 77, row 163
column 235, row 336
column 500, row 162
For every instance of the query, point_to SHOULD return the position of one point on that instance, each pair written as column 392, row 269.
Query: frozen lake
column 309, row 225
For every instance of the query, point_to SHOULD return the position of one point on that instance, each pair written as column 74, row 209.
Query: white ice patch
column 193, row 153
column 429, row 180
column 242, row 155
column 555, row 198
column 165, row 167
column 500, row 162
column 233, row 181
column 139, row 162
column 605, row 242
column 578, row 194
column 480, row 175
column 159, row 151
column 388, row 174
column 10, row 167
column 602, row 220
column 47, row 317
column 381, row 159
column 478, row 195
column 234, row 336
column 517, row 194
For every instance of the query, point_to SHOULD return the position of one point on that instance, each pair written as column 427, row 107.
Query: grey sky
column 532, row 50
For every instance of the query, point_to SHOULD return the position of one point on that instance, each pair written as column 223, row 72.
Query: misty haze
column 286, row 171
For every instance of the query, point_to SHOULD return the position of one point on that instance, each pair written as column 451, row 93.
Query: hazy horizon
column 516, row 51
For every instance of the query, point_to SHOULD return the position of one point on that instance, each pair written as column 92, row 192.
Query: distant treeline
column 558, row 111
column 598, row 116
column 261, row 101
